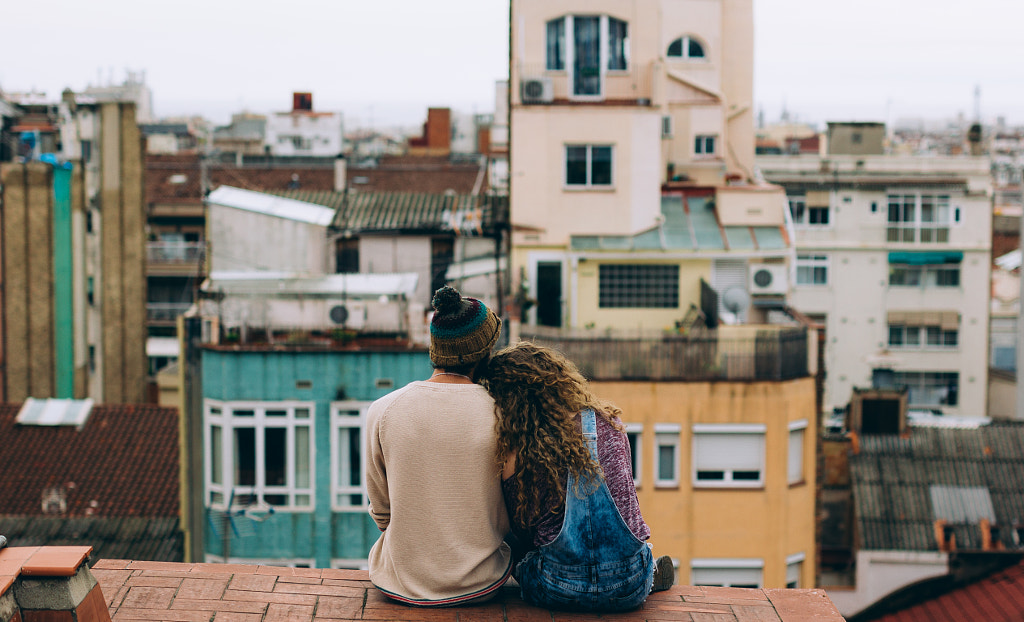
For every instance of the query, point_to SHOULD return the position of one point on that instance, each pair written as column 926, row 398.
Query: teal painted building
column 283, row 432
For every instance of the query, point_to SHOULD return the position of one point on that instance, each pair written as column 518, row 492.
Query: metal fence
column 770, row 354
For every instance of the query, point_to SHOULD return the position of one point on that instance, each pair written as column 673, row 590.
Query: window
column 666, row 457
column 795, row 470
column 929, row 388
column 686, row 47
column 794, row 567
column 588, row 46
column 938, row 275
column 348, row 485
column 259, row 453
column 86, row 150
column 634, row 433
column 346, row 255
column 588, row 165
column 813, row 216
column 727, row 572
column 918, row 218
column 704, row 144
column 922, row 336
column 638, row 286
column 728, row 455
column 812, row 269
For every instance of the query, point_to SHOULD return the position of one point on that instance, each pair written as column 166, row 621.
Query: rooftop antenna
column 977, row 103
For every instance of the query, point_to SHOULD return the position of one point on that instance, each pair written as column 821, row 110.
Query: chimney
column 944, row 536
column 439, row 129
column 989, row 536
column 340, row 173
column 302, row 102
column 50, row 583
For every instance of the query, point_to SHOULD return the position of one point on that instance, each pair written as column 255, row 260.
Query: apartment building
column 645, row 248
column 893, row 258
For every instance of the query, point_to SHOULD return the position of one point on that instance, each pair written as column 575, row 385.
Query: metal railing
column 165, row 311
column 174, row 252
column 774, row 353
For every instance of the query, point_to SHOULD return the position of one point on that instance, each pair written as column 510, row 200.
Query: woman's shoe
column 664, row 574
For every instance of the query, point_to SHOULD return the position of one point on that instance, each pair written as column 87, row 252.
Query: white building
column 303, row 132
column 893, row 258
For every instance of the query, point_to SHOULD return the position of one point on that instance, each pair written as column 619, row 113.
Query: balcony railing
column 174, row 252
column 631, row 85
column 772, row 353
column 165, row 311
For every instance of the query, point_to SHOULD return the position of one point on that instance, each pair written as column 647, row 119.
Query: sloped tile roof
column 122, row 463
column 142, row 538
column 405, row 211
column 997, row 598
column 897, row 481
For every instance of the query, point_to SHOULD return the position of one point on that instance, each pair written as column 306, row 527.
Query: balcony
column 174, row 258
column 165, row 313
column 632, row 86
column 746, row 353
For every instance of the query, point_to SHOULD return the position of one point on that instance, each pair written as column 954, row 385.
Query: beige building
column 632, row 156
column 893, row 258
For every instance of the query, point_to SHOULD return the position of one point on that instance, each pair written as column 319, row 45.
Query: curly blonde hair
column 537, row 393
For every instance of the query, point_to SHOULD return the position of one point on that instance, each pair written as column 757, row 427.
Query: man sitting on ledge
column 432, row 478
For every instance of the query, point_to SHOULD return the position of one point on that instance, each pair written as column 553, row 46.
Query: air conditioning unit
column 537, row 90
column 771, row 279
column 347, row 313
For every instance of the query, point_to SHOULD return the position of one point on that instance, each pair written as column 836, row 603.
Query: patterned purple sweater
column 614, row 456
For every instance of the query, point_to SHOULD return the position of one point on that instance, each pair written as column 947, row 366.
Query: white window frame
column 701, row 143
column 915, row 337
column 342, row 419
column 811, row 263
column 569, row 52
column 666, row 435
column 589, row 184
column 636, row 431
column 795, row 454
column 794, row 568
column 927, row 276
column 909, row 228
column 722, row 432
column 743, row 570
column 685, row 49
column 927, row 383
column 801, row 213
column 218, row 494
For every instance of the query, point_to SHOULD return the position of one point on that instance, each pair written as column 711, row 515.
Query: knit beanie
column 462, row 331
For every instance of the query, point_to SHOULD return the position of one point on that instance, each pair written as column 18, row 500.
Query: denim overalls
column 595, row 563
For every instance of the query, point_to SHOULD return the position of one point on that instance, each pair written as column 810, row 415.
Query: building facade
column 632, row 152
column 304, row 132
column 893, row 258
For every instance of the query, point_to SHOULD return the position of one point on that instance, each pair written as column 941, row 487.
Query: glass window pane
column 244, row 413
column 666, row 462
column 895, row 335
column 302, row 413
column 216, row 463
column 277, row 413
column 302, row 457
column 587, row 55
column 601, row 166
column 675, row 49
column 556, row 44
column 913, row 334
column 618, row 44
column 245, row 457
column 576, row 165
column 696, row 50
column 355, row 458
column 275, row 455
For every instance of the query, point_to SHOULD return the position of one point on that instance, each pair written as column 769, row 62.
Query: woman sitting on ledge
column 568, row 486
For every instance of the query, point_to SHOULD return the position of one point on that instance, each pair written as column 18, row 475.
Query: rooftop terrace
column 134, row 590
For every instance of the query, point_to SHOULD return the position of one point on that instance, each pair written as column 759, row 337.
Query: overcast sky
column 383, row 62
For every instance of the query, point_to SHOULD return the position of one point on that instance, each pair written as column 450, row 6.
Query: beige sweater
column 435, row 491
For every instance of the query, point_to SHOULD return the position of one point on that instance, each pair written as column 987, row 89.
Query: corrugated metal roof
column 407, row 211
column 894, row 481
column 271, row 205
column 687, row 225
column 289, row 284
column 157, row 539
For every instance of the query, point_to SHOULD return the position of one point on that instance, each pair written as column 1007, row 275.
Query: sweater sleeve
column 376, row 472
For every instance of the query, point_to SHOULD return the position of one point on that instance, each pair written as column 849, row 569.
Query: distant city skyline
column 383, row 63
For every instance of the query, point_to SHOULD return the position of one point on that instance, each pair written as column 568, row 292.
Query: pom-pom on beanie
column 462, row 331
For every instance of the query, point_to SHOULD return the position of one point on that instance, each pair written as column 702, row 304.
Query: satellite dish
column 735, row 300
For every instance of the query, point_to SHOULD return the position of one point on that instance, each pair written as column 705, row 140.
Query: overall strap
column 589, row 420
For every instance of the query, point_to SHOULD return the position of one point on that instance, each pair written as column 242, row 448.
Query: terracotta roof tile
column 123, row 463
column 997, row 598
